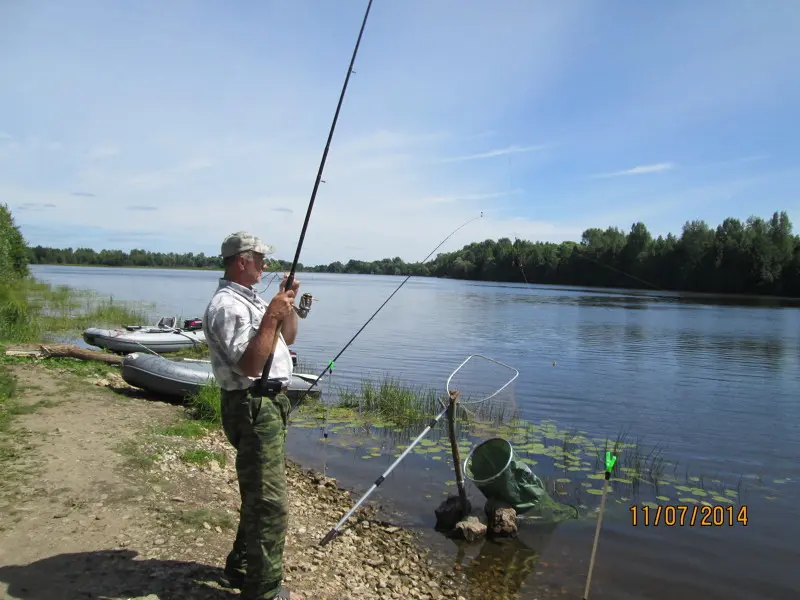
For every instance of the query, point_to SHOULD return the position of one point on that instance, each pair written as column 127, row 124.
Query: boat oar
column 264, row 386
column 610, row 460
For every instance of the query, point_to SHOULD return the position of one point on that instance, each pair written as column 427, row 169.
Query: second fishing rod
column 332, row 362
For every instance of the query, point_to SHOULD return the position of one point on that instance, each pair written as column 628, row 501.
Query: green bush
column 13, row 249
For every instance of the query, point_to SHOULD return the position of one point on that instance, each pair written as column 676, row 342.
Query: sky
column 168, row 125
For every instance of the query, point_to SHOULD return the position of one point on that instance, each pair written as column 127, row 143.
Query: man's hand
column 281, row 305
column 295, row 283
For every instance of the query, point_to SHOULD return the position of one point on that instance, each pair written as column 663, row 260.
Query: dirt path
column 108, row 495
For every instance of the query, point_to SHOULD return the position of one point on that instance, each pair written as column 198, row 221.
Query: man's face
column 253, row 267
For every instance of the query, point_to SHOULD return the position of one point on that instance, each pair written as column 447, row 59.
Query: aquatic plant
column 32, row 311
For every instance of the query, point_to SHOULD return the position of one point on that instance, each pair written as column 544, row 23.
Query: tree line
column 755, row 256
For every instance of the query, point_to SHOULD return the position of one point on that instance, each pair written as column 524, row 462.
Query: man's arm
column 255, row 356
column 289, row 329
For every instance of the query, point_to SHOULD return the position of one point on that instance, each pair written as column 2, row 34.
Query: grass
column 186, row 429
column 388, row 401
column 8, row 392
column 197, row 518
column 137, row 456
column 198, row 456
column 32, row 311
column 204, row 406
column 17, row 464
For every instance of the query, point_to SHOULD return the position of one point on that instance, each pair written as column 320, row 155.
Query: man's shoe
column 232, row 579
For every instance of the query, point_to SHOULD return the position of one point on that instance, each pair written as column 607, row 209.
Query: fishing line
column 269, row 283
column 264, row 386
column 325, row 401
column 335, row 358
column 518, row 257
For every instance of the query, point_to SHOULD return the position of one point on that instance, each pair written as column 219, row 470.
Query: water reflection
column 499, row 569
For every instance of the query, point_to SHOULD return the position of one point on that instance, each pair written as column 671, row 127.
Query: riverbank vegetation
column 755, row 256
column 32, row 311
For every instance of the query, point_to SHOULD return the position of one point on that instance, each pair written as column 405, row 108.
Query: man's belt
column 268, row 387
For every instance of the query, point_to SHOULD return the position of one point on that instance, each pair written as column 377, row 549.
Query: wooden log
column 62, row 350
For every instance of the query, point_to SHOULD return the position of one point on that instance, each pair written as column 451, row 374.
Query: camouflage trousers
column 257, row 429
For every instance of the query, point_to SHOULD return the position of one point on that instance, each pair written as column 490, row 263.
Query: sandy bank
column 108, row 497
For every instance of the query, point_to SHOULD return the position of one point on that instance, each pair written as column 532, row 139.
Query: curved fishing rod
column 335, row 358
column 263, row 386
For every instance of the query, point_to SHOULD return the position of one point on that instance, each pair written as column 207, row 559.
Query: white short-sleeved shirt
column 231, row 320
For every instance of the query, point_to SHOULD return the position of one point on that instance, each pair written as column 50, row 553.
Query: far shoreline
column 795, row 301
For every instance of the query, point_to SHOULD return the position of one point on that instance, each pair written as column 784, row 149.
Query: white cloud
column 641, row 170
column 495, row 153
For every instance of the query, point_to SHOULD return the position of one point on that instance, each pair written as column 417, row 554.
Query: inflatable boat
column 184, row 377
column 163, row 337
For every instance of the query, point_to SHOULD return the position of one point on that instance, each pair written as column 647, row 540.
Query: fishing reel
column 305, row 305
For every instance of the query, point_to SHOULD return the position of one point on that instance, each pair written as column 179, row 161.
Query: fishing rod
column 397, row 289
column 264, row 386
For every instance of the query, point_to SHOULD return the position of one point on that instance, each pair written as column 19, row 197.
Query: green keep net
column 502, row 477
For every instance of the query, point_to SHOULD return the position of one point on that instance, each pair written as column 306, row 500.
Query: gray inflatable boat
column 165, row 336
column 184, row 377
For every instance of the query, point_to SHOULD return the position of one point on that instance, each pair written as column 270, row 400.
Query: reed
column 32, row 311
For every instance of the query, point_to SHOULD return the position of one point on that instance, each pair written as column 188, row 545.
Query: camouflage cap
column 241, row 241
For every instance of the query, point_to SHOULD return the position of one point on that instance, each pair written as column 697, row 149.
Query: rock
column 449, row 513
column 471, row 529
column 502, row 519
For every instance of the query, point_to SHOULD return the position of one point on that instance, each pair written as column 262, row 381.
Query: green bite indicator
column 610, row 462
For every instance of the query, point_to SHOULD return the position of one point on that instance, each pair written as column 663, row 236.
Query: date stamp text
column 688, row 515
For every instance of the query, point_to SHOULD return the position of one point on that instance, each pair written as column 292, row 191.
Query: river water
column 710, row 383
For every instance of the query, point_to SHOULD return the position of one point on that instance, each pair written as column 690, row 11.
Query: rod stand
column 451, row 427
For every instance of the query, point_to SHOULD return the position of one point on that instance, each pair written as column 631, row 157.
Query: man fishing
column 240, row 329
